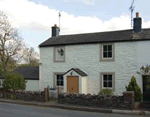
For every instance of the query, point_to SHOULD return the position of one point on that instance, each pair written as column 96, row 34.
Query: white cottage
column 90, row 62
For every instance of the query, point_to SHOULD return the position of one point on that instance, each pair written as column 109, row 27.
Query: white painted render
column 84, row 85
column 86, row 58
column 32, row 85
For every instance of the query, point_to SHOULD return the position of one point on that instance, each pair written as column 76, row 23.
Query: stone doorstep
column 63, row 106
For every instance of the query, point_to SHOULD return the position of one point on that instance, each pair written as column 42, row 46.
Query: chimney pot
column 137, row 14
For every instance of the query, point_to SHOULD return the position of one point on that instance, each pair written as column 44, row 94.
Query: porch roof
column 77, row 70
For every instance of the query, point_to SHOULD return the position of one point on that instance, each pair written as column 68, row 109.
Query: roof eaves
column 81, row 43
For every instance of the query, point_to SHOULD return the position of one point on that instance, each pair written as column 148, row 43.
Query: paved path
column 15, row 110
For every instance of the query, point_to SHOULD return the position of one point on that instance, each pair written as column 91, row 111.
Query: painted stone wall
column 32, row 85
column 86, row 58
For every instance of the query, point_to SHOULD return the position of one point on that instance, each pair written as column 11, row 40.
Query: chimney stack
column 55, row 31
column 137, row 23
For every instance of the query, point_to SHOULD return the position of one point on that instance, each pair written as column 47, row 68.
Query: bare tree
column 11, row 43
column 31, row 57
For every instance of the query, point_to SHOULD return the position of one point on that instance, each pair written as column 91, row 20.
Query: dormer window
column 59, row 54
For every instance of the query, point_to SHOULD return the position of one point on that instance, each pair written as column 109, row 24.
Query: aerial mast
column 59, row 20
column 132, row 9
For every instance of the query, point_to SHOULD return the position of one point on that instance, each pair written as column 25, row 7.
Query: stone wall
column 25, row 95
column 121, row 102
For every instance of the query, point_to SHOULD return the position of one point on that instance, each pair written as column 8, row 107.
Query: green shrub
column 133, row 86
column 13, row 97
column 14, row 81
column 106, row 92
column 52, row 99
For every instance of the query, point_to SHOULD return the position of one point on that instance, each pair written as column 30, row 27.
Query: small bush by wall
column 133, row 86
column 105, row 92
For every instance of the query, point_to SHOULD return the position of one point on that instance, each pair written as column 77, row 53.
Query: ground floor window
column 59, row 80
column 107, row 81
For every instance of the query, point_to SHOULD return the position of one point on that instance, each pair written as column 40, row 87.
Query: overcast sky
column 34, row 18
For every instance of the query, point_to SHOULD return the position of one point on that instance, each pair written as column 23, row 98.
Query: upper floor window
column 59, row 54
column 107, row 52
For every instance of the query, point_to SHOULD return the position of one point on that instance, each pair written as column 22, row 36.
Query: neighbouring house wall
column 32, row 85
column 87, row 58
column 143, row 58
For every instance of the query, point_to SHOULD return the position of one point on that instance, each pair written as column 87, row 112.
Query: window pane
column 61, row 83
column 109, row 84
column 58, row 83
column 109, row 54
column 110, row 77
column 109, row 47
column 104, row 54
column 104, row 48
column 61, row 77
column 104, row 84
column 105, row 77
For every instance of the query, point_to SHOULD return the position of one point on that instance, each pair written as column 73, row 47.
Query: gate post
column 46, row 94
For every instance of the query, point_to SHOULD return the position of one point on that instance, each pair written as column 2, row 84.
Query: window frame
column 103, row 59
column 113, row 80
column 107, row 81
column 55, row 79
column 54, row 54
column 107, row 51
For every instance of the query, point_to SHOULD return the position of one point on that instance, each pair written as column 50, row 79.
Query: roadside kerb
column 88, row 109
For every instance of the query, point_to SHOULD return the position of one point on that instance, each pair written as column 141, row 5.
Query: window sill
column 107, row 88
column 59, row 61
column 107, row 60
column 60, row 87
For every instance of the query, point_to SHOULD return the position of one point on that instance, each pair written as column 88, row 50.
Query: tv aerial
column 132, row 9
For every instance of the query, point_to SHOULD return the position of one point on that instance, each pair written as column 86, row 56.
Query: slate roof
column 77, row 70
column 29, row 73
column 98, row 37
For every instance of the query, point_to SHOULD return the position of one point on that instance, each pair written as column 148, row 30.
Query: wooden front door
column 146, row 91
column 73, row 84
